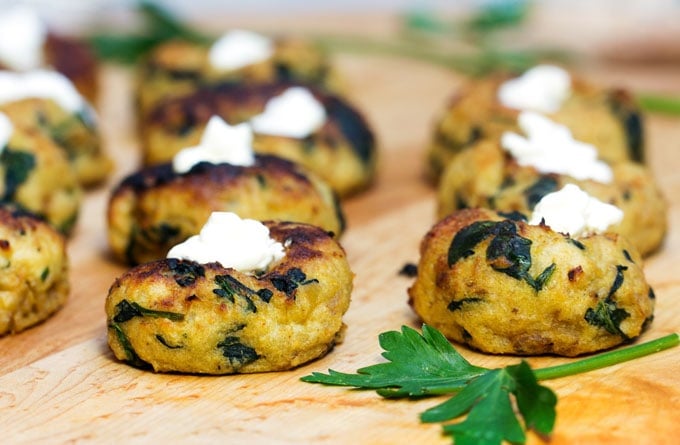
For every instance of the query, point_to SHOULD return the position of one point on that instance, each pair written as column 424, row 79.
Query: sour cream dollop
column 41, row 84
column 543, row 89
column 220, row 143
column 239, row 48
column 573, row 211
column 242, row 244
column 22, row 37
column 295, row 113
column 550, row 148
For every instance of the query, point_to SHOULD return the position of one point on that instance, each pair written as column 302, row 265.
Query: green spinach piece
column 458, row 304
column 631, row 121
column 236, row 352
column 463, row 244
column 540, row 188
column 577, row 243
column 607, row 314
column 130, row 353
column 185, row 273
column 290, row 282
column 165, row 343
column 507, row 252
column 18, row 166
column 162, row 233
column 230, row 288
column 126, row 311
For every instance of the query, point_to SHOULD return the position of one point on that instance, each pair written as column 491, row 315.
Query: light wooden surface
column 59, row 383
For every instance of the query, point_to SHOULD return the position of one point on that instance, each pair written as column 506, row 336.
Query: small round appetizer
column 301, row 123
column 35, row 175
column 48, row 101
column 608, row 118
column 240, row 297
column 34, row 274
column 179, row 67
column 502, row 285
column 27, row 43
column 515, row 172
column 160, row 206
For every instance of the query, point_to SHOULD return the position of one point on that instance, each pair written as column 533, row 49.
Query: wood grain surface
column 59, row 383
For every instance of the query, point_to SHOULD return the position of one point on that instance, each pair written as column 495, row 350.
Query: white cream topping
column 40, row 84
column 295, row 113
column 6, row 130
column 220, row 143
column 22, row 36
column 550, row 148
column 239, row 48
column 242, row 244
column 573, row 211
column 543, row 88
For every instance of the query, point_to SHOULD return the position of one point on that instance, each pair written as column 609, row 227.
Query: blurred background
column 635, row 30
column 613, row 39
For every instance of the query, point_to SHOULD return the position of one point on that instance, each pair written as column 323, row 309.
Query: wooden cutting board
column 59, row 383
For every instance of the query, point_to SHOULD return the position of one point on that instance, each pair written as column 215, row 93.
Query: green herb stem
column 660, row 104
column 160, row 26
column 475, row 62
column 608, row 358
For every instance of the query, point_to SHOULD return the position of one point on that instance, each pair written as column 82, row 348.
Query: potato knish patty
column 505, row 287
column 77, row 134
column 342, row 151
column 177, row 68
column 36, row 175
column 607, row 118
column 181, row 316
column 484, row 175
column 152, row 210
column 34, row 281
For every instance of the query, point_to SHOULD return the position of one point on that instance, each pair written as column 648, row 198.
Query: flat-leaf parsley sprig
column 427, row 364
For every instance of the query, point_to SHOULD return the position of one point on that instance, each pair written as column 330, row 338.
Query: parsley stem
column 660, row 104
column 608, row 358
column 367, row 45
column 475, row 62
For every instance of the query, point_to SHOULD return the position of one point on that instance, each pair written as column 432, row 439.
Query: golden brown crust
column 342, row 151
column 156, row 208
column 505, row 287
column 607, row 118
column 181, row 316
column 484, row 175
column 34, row 273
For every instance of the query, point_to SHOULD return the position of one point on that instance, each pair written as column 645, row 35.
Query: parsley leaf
column 418, row 365
column 427, row 364
column 490, row 417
